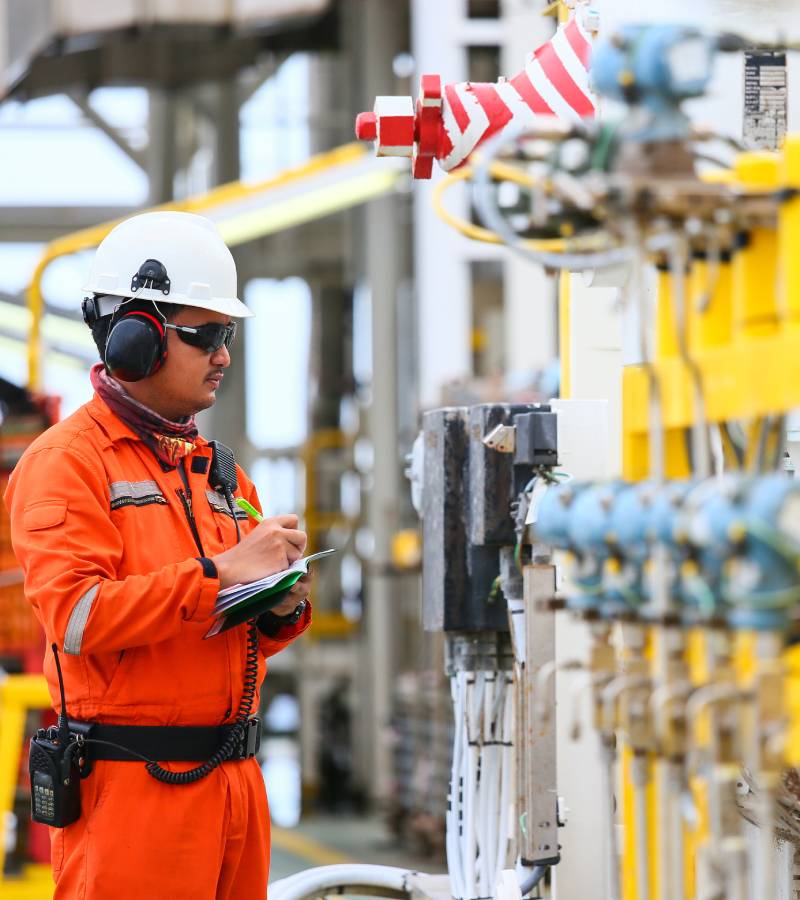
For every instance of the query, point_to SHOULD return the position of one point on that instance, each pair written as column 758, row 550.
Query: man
column 126, row 531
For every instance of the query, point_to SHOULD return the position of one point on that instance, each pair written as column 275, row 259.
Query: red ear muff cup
column 135, row 347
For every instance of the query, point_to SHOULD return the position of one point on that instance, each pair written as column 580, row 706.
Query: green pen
column 249, row 509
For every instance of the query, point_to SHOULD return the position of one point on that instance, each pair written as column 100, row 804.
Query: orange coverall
column 111, row 570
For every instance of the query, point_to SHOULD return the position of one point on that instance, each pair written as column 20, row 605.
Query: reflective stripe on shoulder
column 220, row 504
column 77, row 621
column 135, row 493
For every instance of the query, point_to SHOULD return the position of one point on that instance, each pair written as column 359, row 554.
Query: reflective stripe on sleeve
column 77, row 621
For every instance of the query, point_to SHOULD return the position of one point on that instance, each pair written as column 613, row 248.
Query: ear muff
column 136, row 345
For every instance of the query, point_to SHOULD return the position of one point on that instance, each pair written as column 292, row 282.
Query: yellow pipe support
column 792, row 688
column 789, row 231
column 628, row 819
column 710, row 317
column 667, row 342
column 751, row 374
column 755, row 376
column 88, row 238
column 18, row 694
column 755, row 265
column 635, row 397
column 635, row 659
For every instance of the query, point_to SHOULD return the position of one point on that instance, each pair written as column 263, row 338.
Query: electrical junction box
column 536, row 438
column 466, row 506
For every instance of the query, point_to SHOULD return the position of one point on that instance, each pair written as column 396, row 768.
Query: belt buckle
column 252, row 738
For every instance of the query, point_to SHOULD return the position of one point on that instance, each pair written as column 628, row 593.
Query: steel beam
column 161, row 148
column 81, row 100
column 386, row 256
column 41, row 224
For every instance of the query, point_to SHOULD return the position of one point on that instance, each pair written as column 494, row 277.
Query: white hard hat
column 196, row 267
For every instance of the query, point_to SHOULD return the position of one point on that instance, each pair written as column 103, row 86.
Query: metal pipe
column 704, row 699
column 609, row 756
column 710, row 695
column 598, row 680
column 766, row 844
column 541, row 714
column 673, row 796
column 612, row 691
column 662, row 696
column 670, row 821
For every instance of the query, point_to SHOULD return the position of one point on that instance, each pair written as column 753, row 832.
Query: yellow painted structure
column 18, row 694
column 326, row 624
column 740, row 339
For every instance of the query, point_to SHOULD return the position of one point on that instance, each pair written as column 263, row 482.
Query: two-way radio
column 57, row 762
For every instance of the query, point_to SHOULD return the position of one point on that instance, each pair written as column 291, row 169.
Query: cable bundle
column 481, row 804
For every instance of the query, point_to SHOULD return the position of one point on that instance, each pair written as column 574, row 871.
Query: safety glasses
column 208, row 338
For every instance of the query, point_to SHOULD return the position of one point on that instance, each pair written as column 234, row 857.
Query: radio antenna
column 63, row 723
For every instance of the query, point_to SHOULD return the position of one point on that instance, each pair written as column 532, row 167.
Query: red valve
column 367, row 126
column 449, row 121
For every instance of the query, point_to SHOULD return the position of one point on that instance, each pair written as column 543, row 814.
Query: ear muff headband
column 136, row 345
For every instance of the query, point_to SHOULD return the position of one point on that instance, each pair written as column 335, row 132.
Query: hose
column 475, row 232
column 345, row 878
column 532, row 878
column 493, row 219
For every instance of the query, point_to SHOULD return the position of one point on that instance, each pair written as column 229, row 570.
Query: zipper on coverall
column 185, row 496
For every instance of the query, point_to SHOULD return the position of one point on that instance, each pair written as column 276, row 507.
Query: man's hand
column 300, row 590
column 272, row 546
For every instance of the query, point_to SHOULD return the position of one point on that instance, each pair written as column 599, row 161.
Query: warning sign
column 765, row 99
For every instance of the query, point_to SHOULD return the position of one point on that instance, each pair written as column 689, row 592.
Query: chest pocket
column 135, row 493
column 224, row 518
column 220, row 505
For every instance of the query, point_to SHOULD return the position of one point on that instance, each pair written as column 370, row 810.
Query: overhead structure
column 58, row 44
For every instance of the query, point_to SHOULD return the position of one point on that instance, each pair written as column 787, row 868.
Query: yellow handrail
column 88, row 238
column 326, row 624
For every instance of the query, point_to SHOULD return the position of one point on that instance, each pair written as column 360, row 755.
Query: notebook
column 240, row 602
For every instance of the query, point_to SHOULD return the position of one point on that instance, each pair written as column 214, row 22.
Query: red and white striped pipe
column 450, row 121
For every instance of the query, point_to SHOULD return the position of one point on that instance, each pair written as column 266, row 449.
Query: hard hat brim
column 230, row 306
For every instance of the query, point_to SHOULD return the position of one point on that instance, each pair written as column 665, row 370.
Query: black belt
column 165, row 743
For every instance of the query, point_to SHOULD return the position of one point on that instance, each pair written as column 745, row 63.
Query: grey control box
column 468, row 491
